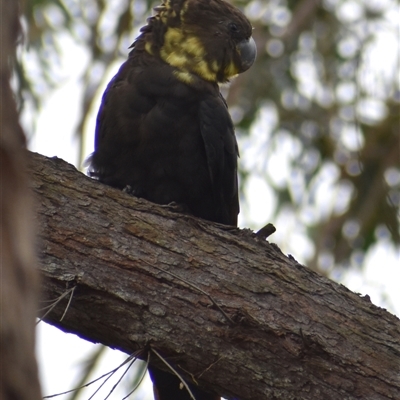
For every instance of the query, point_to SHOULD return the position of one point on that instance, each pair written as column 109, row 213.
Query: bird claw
column 177, row 207
column 128, row 189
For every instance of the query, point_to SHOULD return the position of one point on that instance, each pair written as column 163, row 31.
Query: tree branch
column 141, row 273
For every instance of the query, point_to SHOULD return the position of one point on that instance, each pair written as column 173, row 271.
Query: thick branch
column 295, row 334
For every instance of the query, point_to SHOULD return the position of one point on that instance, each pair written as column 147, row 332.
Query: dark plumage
column 163, row 128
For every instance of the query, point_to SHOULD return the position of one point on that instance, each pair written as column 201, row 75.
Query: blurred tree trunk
column 18, row 301
column 225, row 307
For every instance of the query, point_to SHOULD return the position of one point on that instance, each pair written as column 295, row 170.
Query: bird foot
column 177, row 207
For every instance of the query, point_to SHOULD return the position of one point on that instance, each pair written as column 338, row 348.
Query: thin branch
column 51, row 307
column 133, row 355
column 197, row 288
column 109, row 376
column 121, row 377
column 69, row 302
column 266, row 231
column 174, row 371
column 141, row 378
column 210, row 366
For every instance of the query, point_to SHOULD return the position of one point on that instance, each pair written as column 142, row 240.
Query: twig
column 45, row 301
column 174, row 371
column 69, row 302
column 141, row 379
column 266, row 231
column 133, row 355
column 210, row 366
column 110, row 375
column 197, row 288
column 120, row 379
column 50, row 307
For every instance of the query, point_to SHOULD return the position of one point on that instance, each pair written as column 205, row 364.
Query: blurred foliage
column 88, row 366
column 317, row 116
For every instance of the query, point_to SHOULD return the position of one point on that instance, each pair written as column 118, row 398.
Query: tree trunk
column 18, row 278
column 221, row 305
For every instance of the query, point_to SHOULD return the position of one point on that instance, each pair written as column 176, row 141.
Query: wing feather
column 222, row 152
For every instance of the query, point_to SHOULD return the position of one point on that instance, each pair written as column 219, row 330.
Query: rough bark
column 18, row 276
column 217, row 302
